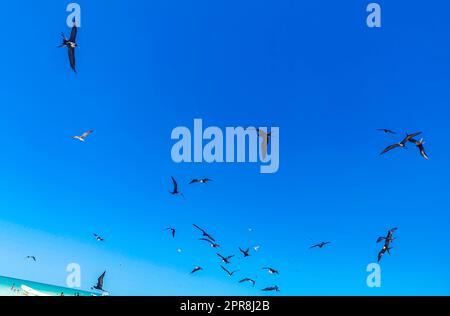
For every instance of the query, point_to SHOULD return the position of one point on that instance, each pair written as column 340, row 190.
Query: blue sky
column 312, row 68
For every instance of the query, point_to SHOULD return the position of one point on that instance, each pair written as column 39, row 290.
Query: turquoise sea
column 17, row 287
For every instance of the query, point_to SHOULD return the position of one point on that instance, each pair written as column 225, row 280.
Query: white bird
column 83, row 137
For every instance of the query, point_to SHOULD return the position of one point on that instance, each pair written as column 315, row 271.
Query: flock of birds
column 71, row 44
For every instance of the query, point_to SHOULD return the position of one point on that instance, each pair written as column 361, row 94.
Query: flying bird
column 253, row 282
column 203, row 181
column 402, row 144
column 271, row 288
column 320, row 245
column 212, row 243
column 31, row 257
column 172, row 230
column 99, row 285
column 245, row 252
column 230, row 273
column 98, row 238
column 205, row 234
column 419, row 144
column 196, row 269
column 387, row 131
column 83, row 137
column 225, row 259
column 271, row 270
column 256, row 248
column 175, row 188
column 71, row 44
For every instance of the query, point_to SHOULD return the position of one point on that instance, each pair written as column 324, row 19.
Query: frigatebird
column 83, row 136
column 212, row 243
column 31, row 257
column 245, row 252
column 175, row 188
column 203, row 181
column 173, row 231
column 230, row 273
column 271, row 288
column 387, row 131
column 71, row 44
column 271, row 270
column 320, row 245
column 197, row 268
column 98, row 238
column 225, row 259
column 401, row 144
column 419, row 144
column 99, row 285
column 205, row 234
column 253, row 282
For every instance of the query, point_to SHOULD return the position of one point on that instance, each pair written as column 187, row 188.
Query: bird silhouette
column 203, row 181
column 253, row 282
column 196, row 269
column 98, row 238
column 225, row 259
column 99, row 285
column 274, row 288
column 212, row 243
column 172, row 230
column 320, row 245
column 175, row 188
column 71, row 44
column 419, row 144
column 230, row 273
column 271, row 270
column 387, row 131
column 401, row 144
column 205, row 234
column 245, row 252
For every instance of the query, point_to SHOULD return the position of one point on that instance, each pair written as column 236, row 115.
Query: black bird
column 228, row 272
column 71, row 44
column 205, row 234
column 99, row 285
column 31, row 257
column 225, row 259
column 419, row 144
column 203, row 181
column 196, row 269
column 389, row 236
column 173, row 230
column 253, row 282
column 320, row 245
column 387, row 131
column 98, row 238
column 271, row 270
column 175, row 188
column 402, row 144
column 246, row 252
column 212, row 243
column 271, row 288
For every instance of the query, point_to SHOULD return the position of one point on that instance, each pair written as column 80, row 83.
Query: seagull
column 256, row 248
column 99, row 285
column 225, row 259
column 173, row 230
column 320, row 245
column 31, row 257
column 175, row 188
column 419, row 144
column 205, row 234
column 246, row 252
column 253, row 282
column 271, row 288
column 402, row 144
column 228, row 272
column 389, row 235
column 213, row 244
column 98, row 238
column 387, row 131
column 83, row 137
column 196, row 269
column 203, row 181
column 271, row 270
column 71, row 45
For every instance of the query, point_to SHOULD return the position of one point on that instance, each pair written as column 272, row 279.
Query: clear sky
column 312, row 68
